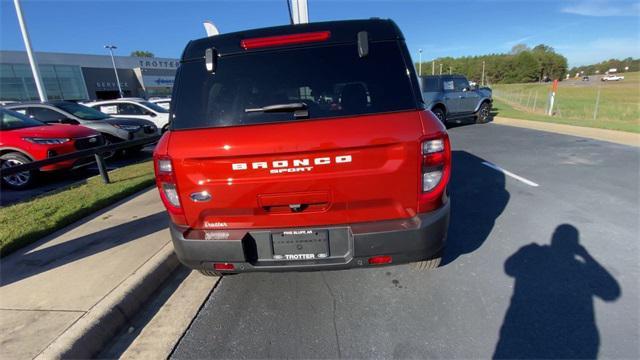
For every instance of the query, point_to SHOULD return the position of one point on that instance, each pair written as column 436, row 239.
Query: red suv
column 303, row 147
column 23, row 140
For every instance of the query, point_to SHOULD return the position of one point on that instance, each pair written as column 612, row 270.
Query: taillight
column 435, row 171
column 166, row 181
column 280, row 40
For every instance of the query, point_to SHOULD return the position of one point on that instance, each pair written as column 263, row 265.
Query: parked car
column 612, row 77
column 451, row 98
column 23, row 140
column 135, row 108
column 586, row 78
column 66, row 112
column 163, row 102
column 271, row 167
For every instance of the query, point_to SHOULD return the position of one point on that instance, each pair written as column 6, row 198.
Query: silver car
column 67, row 112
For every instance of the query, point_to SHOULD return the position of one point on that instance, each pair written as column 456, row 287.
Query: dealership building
column 84, row 77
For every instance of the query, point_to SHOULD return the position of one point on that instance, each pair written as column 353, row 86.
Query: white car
column 136, row 108
column 164, row 102
column 612, row 78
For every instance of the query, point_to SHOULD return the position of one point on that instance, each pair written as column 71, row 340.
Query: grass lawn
column 618, row 108
column 24, row 223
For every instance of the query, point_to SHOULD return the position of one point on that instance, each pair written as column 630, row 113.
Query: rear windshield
column 331, row 81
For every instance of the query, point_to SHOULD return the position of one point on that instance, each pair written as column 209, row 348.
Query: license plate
column 300, row 244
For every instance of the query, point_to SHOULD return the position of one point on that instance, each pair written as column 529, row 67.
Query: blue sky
column 585, row 31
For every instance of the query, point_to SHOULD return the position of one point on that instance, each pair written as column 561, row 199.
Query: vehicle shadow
column 551, row 314
column 23, row 263
column 478, row 196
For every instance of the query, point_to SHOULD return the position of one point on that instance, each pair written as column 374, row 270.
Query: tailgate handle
column 296, row 202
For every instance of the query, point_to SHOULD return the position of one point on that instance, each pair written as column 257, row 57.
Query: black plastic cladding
column 341, row 32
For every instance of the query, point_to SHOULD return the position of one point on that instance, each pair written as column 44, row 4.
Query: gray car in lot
column 67, row 112
column 452, row 99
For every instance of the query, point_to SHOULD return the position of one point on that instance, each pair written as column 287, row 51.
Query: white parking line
column 508, row 173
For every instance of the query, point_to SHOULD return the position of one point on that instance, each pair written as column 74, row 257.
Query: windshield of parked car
column 332, row 81
column 155, row 107
column 10, row 120
column 81, row 111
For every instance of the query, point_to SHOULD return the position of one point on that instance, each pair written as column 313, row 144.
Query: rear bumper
column 406, row 240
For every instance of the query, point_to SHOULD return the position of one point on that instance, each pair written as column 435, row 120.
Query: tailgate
column 306, row 173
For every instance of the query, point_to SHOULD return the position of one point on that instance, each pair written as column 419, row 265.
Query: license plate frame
column 310, row 244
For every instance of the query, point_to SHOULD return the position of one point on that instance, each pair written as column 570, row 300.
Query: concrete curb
column 101, row 323
column 613, row 136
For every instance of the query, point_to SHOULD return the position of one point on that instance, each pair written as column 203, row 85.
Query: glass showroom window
column 60, row 82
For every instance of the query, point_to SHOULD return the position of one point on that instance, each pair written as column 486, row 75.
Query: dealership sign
column 158, row 81
column 159, row 64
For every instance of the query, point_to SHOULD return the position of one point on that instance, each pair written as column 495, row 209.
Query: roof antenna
column 290, row 14
column 210, row 29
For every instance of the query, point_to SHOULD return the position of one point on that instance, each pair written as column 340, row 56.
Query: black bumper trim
column 406, row 240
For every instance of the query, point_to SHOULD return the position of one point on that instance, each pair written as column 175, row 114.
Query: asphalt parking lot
column 542, row 261
column 59, row 179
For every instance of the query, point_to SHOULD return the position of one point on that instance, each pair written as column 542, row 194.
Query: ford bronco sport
column 303, row 147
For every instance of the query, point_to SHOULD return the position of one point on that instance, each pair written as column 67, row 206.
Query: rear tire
column 210, row 273
column 19, row 181
column 440, row 114
column 484, row 113
column 426, row 264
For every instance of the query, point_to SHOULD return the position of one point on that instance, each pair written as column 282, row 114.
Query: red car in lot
column 303, row 147
column 23, row 140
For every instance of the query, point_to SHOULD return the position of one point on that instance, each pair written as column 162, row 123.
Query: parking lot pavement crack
column 334, row 305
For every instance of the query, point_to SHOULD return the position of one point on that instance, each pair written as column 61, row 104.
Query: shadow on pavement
column 478, row 197
column 551, row 313
column 22, row 264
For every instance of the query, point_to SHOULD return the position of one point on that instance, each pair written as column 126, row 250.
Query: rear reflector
column 379, row 260
column 256, row 43
column 223, row 266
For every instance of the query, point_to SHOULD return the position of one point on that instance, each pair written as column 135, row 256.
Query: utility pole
column 449, row 70
column 300, row 11
column 483, row 74
column 433, row 67
column 420, row 64
column 42, row 94
column 440, row 68
column 111, row 48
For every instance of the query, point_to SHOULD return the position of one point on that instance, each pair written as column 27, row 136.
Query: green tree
column 142, row 53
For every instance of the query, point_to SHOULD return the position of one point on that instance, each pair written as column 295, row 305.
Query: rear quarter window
column 332, row 81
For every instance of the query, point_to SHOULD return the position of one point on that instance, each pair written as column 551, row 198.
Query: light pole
column 32, row 61
column 482, row 73
column 440, row 68
column 420, row 63
column 111, row 48
column 433, row 67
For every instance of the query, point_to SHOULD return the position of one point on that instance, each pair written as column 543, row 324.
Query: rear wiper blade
column 279, row 108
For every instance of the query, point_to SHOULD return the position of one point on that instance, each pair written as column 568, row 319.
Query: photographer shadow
column 551, row 314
